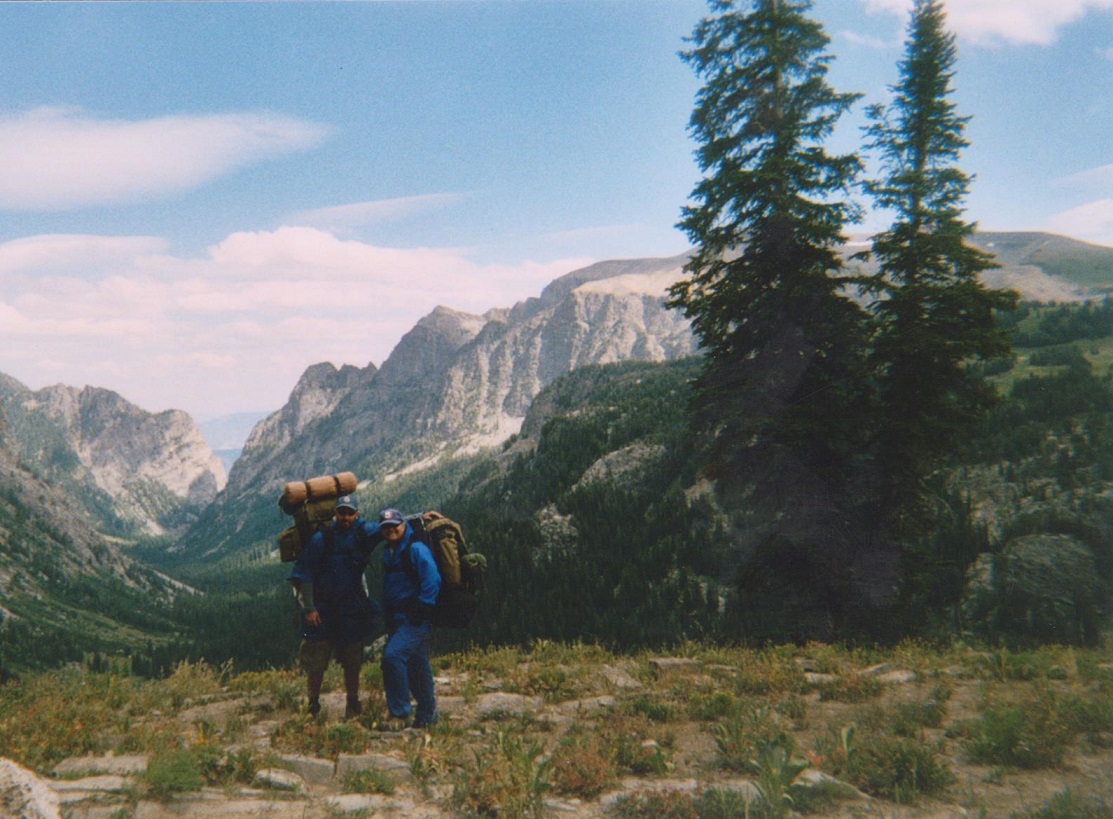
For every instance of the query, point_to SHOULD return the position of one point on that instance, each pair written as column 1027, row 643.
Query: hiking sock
column 314, row 706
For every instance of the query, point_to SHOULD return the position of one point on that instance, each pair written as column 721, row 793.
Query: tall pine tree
column 780, row 402
column 933, row 313
column 763, row 289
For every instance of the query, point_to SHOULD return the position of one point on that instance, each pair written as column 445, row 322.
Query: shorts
column 314, row 655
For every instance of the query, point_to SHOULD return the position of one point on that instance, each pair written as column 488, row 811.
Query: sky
column 198, row 200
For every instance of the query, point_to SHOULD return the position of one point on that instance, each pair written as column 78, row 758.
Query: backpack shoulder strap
column 408, row 566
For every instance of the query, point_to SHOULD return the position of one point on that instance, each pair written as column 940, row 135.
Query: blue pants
column 406, row 669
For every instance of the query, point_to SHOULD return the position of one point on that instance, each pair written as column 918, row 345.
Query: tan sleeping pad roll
column 325, row 486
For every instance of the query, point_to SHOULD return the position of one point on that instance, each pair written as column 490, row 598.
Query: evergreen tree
column 782, row 401
column 764, row 288
column 933, row 313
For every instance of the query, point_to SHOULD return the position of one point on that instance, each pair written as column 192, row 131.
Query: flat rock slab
column 26, row 795
column 490, row 705
column 108, row 783
column 126, row 765
column 279, row 780
column 374, row 804
column 593, row 705
column 310, row 768
column 196, row 807
column 663, row 665
column 352, row 763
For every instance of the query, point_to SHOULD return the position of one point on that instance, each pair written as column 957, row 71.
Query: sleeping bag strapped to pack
column 461, row 570
column 311, row 503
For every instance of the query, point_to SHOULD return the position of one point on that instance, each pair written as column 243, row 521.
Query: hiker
column 337, row 617
column 410, row 585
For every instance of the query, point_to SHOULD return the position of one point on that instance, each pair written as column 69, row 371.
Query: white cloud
column 62, row 252
column 1092, row 222
column 236, row 327
column 1017, row 22
column 867, row 41
column 370, row 213
column 59, row 159
column 1099, row 178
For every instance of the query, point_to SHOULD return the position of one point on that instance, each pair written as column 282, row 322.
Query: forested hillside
column 599, row 524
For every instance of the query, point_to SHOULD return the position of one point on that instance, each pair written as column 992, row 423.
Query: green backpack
column 462, row 571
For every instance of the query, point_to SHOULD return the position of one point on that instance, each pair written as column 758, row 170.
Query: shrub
column 305, row 735
column 737, row 740
column 171, row 772
column 368, row 780
column 909, row 718
column 424, row 758
column 582, row 768
column 850, row 688
column 714, row 706
column 60, row 714
column 508, row 780
column 1029, row 731
column 777, row 770
column 658, row 804
column 286, row 688
column 722, row 803
column 191, row 680
column 769, row 672
column 794, row 707
column 1069, row 804
column 630, row 743
column 894, row 767
column 652, row 709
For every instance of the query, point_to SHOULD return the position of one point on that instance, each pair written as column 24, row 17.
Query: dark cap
column 391, row 517
column 346, row 502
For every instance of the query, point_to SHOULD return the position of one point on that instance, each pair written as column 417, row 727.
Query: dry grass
column 984, row 733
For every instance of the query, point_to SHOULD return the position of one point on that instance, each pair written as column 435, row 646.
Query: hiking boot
column 314, row 706
column 426, row 723
column 353, row 709
column 393, row 724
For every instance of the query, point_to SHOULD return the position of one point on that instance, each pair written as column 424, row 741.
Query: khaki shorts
column 314, row 655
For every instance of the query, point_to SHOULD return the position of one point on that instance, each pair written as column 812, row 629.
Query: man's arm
column 301, row 577
column 429, row 578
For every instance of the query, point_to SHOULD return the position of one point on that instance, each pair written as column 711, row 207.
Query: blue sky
column 199, row 200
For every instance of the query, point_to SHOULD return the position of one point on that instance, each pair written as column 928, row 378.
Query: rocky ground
column 475, row 708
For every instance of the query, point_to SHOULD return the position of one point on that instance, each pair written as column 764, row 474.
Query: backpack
column 311, row 503
column 462, row 571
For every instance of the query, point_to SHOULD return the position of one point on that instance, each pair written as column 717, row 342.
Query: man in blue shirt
column 410, row 586
column 337, row 618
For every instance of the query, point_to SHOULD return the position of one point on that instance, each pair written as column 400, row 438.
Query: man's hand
column 313, row 618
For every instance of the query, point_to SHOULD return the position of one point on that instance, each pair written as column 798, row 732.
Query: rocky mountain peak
column 151, row 466
column 430, row 346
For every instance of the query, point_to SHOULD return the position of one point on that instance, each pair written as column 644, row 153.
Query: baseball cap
column 346, row 502
column 391, row 517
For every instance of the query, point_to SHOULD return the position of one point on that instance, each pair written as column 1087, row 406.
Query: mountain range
column 84, row 473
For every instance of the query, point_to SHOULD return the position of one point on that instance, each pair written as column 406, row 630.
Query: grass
column 729, row 714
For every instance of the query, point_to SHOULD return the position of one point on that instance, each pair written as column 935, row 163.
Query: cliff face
column 456, row 382
column 148, row 472
column 57, row 569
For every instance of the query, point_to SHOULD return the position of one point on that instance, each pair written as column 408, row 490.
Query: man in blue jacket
column 337, row 616
column 410, row 586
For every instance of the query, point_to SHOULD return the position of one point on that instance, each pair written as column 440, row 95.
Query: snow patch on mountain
column 654, row 284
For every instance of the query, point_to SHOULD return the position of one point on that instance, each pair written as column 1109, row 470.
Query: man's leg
column 314, row 658
column 395, row 664
column 420, row 674
column 350, row 657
